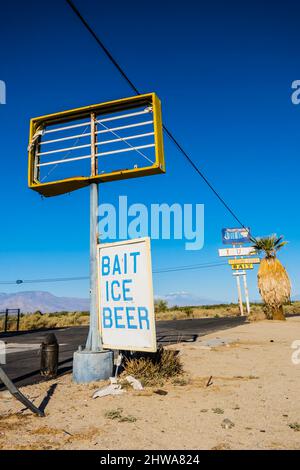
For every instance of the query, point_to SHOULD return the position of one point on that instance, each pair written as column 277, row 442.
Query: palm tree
column 273, row 281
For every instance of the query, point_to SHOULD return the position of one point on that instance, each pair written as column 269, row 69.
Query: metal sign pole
column 93, row 363
column 93, row 342
column 246, row 293
column 239, row 294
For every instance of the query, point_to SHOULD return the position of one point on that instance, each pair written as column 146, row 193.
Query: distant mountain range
column 46, row 302
column 31, row 301
column 183, row 298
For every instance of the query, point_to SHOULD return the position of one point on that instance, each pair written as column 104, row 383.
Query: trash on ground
column 136, row 384
column 209, row 382
column 112, row 389
column 161, row 392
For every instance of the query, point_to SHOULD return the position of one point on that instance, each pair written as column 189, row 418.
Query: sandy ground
column 255, row 385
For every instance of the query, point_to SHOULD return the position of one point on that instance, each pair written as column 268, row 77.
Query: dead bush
column 154, row 368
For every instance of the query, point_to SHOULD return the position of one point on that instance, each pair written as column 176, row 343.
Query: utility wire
column 188, row 268
column 81, row 278
column 136, row 91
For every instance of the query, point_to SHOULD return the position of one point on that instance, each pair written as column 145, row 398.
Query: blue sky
column 223, row 72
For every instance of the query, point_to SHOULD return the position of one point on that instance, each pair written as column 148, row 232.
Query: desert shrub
column 188, row 311
column 160, row 305
column 154, row 368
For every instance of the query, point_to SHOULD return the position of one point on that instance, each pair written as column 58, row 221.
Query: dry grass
column 35, row 321
column 222, row 310
column 154, row 369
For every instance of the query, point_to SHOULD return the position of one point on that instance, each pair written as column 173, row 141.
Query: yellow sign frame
column 67, row 185
column 243, row 266
column 244, row 260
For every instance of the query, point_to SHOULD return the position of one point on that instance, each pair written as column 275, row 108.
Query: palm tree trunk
column 277, row 313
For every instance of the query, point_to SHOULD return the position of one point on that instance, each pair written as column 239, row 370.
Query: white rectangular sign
column 126, row 305
column 244, row 251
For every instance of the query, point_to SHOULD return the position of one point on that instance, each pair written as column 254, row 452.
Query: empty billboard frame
column 103, row 142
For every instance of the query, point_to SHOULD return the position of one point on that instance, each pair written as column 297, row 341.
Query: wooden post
column 6, row 320
column 18, row 320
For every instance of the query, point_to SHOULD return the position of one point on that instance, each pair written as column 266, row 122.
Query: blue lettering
column 130, row 317
column 107, row 318
column 106, row 291
column 113, row 295
column 105, row 265
column 135, row 254
column 126, row 297
column 117, row 267
column 143, row 317
column 118, row 317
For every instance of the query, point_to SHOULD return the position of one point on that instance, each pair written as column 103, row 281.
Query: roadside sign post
column 240, row 294
column 93, row 363
column 246, row 293
column 64, row 167
column 237, row 237
column 93, row 342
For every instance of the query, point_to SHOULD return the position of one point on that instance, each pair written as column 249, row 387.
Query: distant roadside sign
column 239, row 265
column 126, row 306
column 244, row 260
column 244, row 251
column 235, row 236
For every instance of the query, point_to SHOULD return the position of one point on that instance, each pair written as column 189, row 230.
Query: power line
column 191, row 267
column 81, row 278
column 136, row 91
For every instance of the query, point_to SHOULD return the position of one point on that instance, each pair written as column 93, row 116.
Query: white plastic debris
column 136, row 384
column 118, row 364
column 112, row 389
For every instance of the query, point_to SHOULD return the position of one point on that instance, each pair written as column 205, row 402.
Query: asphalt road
column 23, row 359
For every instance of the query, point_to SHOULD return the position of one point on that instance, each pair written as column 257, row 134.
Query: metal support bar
column 58, row 129
column 240, row 295
column 69, row 137
column 138, row 124
column 93, row 146
column 65, row 160
column 67, row 149
column 246, row 293
column 138, row 136
column 126, row 150
column 93, row 342
column 122, row 116
column 18, row 395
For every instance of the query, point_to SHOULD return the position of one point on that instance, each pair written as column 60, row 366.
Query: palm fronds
column 269, row 245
